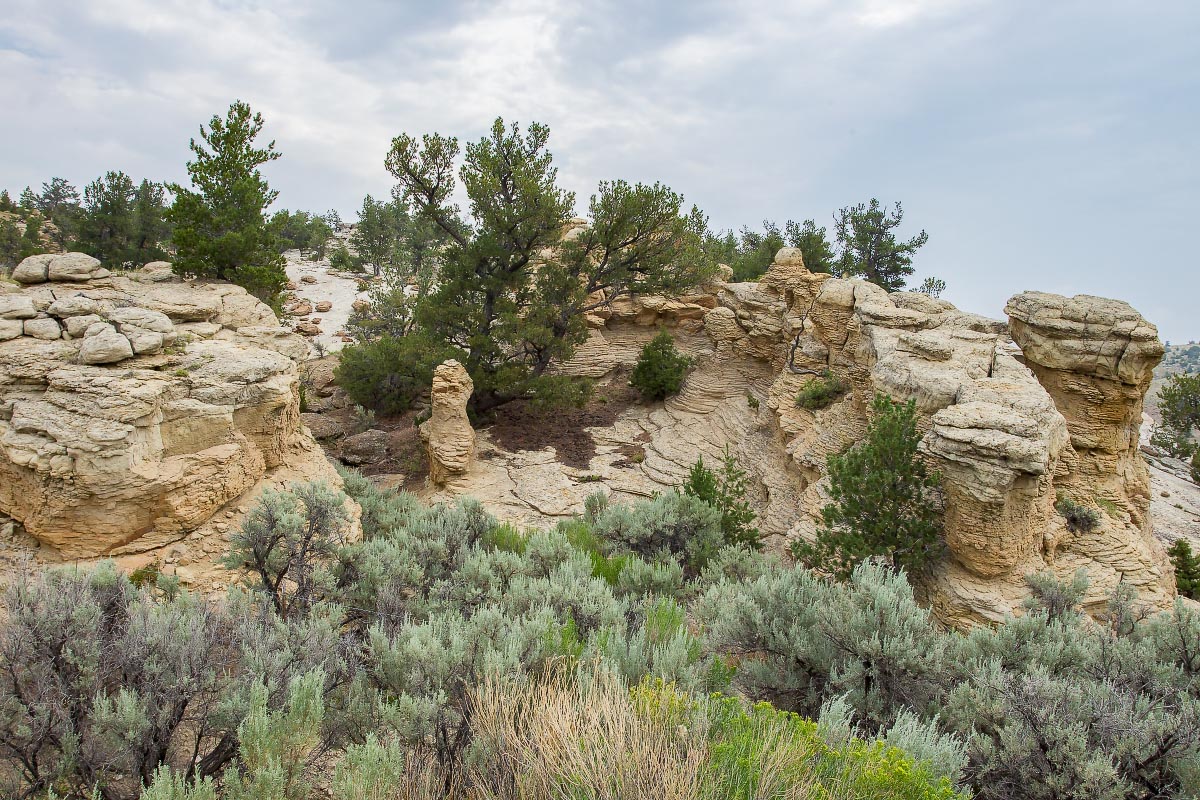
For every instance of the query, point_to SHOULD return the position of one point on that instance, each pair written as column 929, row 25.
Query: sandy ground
column 335, row 287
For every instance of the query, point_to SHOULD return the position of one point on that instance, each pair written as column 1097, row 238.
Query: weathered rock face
column 1010, row 425
column 448, row 433
column 1095, row 357
column 148, row 410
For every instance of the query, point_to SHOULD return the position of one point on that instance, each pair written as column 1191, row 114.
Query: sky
column 1046, row 145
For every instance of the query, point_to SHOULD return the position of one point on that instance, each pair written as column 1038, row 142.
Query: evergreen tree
column 882, row 504
column 375, row 236
column 513, row 292
column 58, row 203
column 6, row 201
column 818, row 255
column 107, row 226
column 932, row 287
column 221, row 229
column 727, row 493
column 11, row 243
column 150, row 228
column 1179, row 405
column 660, row 368
column 868, row 246
column 1187, row 568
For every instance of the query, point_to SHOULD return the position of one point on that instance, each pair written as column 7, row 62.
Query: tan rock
column 448, row 434
column 74, row 267
column 98, row 459
column 11, row 329
column 43, row 328
column 17, row 306
column 308, row 279
column 324, row 306
column 33, row 269
column 302, row 309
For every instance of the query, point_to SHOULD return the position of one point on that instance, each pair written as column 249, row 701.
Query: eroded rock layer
column 1012, row 422
column 133, row 407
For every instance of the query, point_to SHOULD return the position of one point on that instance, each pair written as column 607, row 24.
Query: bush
column 1187, row 568
column 727, row 493
column 822, row 392
column 387, row 375
column 883, row 504
column 1080, row 518
column 660, row 368
column 671, row 526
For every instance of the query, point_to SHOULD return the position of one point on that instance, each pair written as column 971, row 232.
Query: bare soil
column 520, row 426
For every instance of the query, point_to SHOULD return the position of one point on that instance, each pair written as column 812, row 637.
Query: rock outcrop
column 1011, row 421
column 134, row 407
column 447, row 433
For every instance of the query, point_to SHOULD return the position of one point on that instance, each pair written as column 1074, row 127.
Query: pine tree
column 513, row 292
column 1187, row 568
column 1179, row 405
column 221, row 230
column 882, row 504
column 868, row 245
column 660, row 368
column 727, row 493
column 106, row 228
column 818, row 255
column 150, row 228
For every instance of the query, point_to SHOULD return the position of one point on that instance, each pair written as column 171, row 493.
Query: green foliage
column 882, row 500
column 1039, row 701
column 932, row 286
column 1080, row 518
column 1187, row 568
column 751, row 252
column 513, row 291
column 671, row 526
column 868, row 247
column 727, row 493
column 220, row 225
column 284, row 540
column 340, row 259
column 389, row 373
column 822, row 392
column 1179, row 405
column 660, row 368
column 302, row 231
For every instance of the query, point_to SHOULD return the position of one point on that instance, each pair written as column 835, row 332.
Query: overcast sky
column 1048, row 145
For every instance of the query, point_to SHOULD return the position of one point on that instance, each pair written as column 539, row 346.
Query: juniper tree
column 220, row 225
column 150, row 228
column 513, row 290
column 818, row 255
column 107, row 225
column 725, row 490
column 882, row 499
column 868, row 247
column 1179, row 405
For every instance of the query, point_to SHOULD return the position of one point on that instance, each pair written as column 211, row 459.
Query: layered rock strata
column 447, row 433
column 133, row 407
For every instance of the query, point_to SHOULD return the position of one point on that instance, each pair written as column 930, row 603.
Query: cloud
column 1037, row 143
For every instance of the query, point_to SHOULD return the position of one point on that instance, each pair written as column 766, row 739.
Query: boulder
column 104, row 451
column 307, row 279
column 17, row 306
column 324, row 306
column 74, row 267
column 43, row 328
column 447, row 433
column 103, row 345
column 368, row 447
column 33, row 269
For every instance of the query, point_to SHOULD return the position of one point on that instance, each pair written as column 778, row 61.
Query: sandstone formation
column 447, row 433
column 1011, row 422
column 133, row 408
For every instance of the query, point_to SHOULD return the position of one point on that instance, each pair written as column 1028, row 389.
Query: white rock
column 33, row 269
column 44, row 328
column 103, row 345
column 17, row 306
column 10, row 329
column 73, row 267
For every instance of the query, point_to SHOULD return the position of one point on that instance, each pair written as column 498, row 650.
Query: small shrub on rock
column 821, row 392
column 660, row 368
column 1080, row 518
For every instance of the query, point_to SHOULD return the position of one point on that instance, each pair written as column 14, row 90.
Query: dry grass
column 564, row 739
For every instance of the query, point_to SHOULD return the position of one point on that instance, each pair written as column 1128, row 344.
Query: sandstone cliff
column 1011, row 421
column 135, row 407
